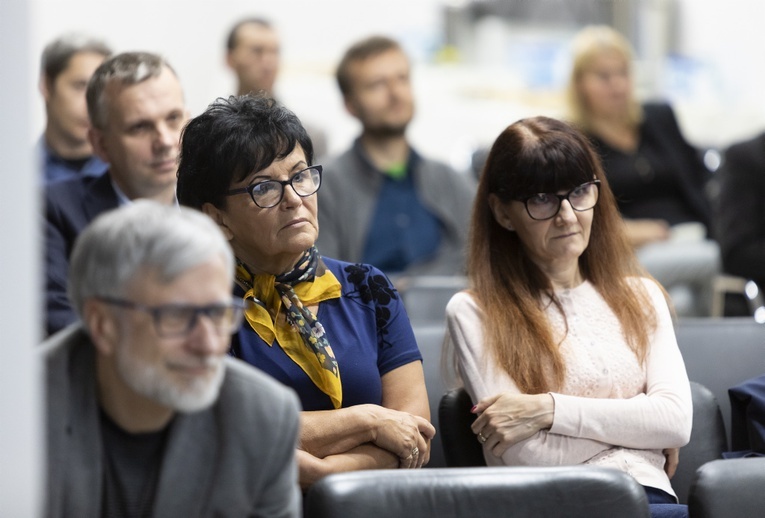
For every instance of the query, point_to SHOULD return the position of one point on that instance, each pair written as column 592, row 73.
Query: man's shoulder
column 435, row 174
column 76, row 202
column 249, row 399
column 244, row 384
column 344, row 163
column 67, row 358
column 60, row 345
column 434, row 165
column 67, row 191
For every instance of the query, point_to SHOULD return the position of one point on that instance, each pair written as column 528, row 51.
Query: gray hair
column 126, row 69
column 58, row 53
column 120, row 243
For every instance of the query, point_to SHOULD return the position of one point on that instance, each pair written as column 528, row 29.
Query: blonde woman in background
column 658, row 178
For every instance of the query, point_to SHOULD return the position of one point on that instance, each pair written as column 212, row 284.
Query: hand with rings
column 411, row 461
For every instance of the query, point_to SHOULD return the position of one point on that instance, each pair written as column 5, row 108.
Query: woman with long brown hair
column 564, row 343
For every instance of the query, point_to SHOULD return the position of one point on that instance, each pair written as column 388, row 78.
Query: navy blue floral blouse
column 369, row 332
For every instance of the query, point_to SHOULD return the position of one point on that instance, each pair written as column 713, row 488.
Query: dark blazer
column 747, row 411
column 741, row 209
column 235, row 459
column 69, row 207
column 661, row 145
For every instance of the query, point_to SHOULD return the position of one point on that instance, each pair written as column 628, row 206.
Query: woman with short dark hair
column 335, row 332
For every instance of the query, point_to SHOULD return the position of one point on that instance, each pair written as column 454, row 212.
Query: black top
column 741, row 209
column 132, row 465
column 664, row 178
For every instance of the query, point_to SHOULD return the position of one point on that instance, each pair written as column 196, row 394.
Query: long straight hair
column 545, row 155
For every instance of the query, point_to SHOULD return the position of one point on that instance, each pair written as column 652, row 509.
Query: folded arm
column 370, row 436
column 518, row 426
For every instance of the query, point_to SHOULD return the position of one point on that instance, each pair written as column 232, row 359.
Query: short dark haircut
column 231, row 139
column 59, row 52
column 127, row 68
column 233, row 33
column 360, row 51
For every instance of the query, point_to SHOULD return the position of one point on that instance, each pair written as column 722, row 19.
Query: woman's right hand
column 403, row 434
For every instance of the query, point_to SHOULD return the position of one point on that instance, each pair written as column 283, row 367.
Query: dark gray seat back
column 578, row 491
column 728, row 488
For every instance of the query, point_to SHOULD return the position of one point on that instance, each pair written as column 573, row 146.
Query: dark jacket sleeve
column 741, row 209
column 60, row 234
column 692, row 173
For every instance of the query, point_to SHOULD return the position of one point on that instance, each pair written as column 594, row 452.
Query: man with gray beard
column 146, row 415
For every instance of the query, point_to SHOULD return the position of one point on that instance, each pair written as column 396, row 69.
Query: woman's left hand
column 506, row 419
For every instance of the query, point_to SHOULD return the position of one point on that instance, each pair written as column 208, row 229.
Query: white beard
column 150, row 381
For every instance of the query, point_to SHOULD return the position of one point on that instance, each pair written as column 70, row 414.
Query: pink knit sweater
column 612, row 411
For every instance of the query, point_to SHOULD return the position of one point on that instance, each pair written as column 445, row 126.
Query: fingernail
column 472, row 410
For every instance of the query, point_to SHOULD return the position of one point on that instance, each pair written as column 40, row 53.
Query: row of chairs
column 721, row 489
column 425, row 297
column 708, row 439
column 719, row 353
column 468, row 488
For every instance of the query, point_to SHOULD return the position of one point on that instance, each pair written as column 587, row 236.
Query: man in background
column 137, row 109
column 381, row 202
column 253, row 55
column 66, row 66
column 146, row 414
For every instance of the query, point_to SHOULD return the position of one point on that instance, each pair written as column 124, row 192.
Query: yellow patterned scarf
column 300, row 335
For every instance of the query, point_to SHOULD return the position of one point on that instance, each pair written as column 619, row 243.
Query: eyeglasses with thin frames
column 546, row 205
column 178, row 320
column 269, row 193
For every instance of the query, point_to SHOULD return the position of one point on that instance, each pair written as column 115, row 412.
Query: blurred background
column 478, row 66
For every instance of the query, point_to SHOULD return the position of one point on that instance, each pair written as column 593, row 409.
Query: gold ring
column 415, row 451
column 481, row 438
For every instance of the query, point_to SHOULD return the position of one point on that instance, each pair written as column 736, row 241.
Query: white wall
column 727, row 42
column 20, row 430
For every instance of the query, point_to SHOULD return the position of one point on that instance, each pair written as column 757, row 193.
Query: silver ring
column 415, row 451
column 481, row 438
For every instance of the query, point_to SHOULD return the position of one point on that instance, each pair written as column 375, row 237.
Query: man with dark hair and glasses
column 147, row 416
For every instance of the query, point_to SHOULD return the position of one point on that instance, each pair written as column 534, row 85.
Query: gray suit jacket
column 235, row 459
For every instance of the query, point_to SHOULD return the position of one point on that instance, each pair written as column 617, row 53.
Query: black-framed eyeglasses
column 546, row 205
column 177, row 320
column 269, row 193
